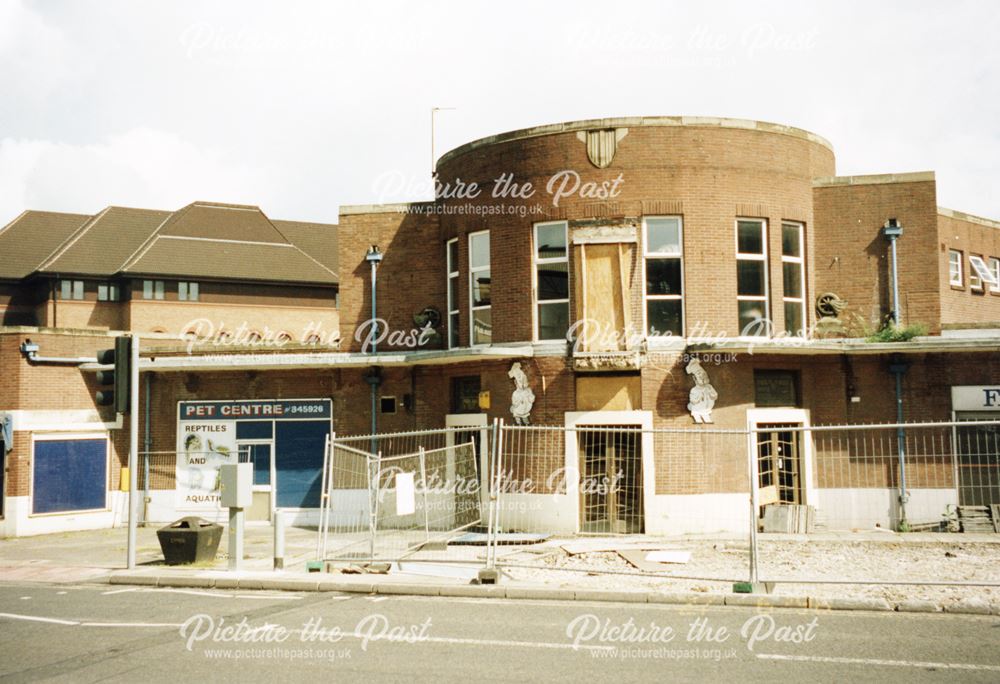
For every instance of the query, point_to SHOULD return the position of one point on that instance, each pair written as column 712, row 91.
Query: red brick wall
column 410, row 277
column 963, row 305
column 709, row 175
column 852, row 257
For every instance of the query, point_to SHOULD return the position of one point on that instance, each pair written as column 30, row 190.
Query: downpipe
column 898, row 367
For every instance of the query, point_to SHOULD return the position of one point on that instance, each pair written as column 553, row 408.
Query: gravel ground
column 714, row 567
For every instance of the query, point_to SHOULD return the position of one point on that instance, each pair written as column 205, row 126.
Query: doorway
column 779, row 464
column 476, row 424
column 260, row 453
column 611, row 479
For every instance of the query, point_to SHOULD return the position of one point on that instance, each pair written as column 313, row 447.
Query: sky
column 300, row 107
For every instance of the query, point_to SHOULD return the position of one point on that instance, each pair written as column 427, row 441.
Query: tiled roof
column 201, row 240
column 29, row 239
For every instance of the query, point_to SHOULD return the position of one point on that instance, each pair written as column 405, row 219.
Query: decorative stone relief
column 523, row 398
column 609, row 234
column 607, row 361
column 602, row 144
column 701, row 399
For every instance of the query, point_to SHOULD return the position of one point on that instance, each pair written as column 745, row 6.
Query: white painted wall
column 845, row 509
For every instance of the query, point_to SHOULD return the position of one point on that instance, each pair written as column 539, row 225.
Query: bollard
column 279, row 540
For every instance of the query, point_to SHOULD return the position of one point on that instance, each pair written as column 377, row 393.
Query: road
column 87, row 633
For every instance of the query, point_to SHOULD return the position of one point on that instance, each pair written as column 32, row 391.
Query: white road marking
column 376, row 599
column 25, row 598
column 60, row 593
column 131, row 624
column 118, row 591
column 356, row 635
column 34, row 618
column 276, row 597
column 877, row 661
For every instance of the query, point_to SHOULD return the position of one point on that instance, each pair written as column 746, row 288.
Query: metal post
column 898, row 368
column 133, row 450
column 236, row 518
column 147, row 447
column 279, row 539
column 374, row 493
column 423, row 485
column 754, row 501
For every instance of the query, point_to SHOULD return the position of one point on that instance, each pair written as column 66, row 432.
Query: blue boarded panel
column 298, row 461
column 70, row 475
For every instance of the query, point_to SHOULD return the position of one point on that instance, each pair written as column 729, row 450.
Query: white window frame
column 994, row 264
column 453, row 310
column 743, row 256
column 980, row 274
column 154, row 290
column 188, row 291
column 646, row 255
column 472, row 273
column 108, row 292
column 801, row 261
column 536, row 262
column 955, row 268
column 71, row 290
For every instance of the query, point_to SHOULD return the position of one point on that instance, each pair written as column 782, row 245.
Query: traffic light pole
column 133, row 449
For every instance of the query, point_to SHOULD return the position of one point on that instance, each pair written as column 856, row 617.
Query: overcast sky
column 301, row 107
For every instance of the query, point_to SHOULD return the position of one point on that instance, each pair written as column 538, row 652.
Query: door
column 611, row 499
column 476, row 433
column 779, row 464
column 261, row 455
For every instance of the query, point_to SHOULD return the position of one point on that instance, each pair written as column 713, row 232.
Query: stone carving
column 430, row 318
column 595, row 235
column 602, row 144
column 829, row 306
column 523, row 398
column 608, row 361
column 701, row 399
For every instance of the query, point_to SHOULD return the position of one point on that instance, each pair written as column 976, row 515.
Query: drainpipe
column 374, row 257
column 898, row 367
column 892, row 230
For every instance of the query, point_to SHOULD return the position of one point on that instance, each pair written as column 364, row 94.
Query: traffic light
column 115, row 382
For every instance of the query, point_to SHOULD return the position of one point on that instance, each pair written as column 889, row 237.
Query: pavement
column 98, row 556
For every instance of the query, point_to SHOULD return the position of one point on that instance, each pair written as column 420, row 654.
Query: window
column 955, row 268
column 481, row 322
column 980, row 273
column 794, row 286
column 465, row 394
column 995, row 270
column 186, row 292
column 451, row 255
column 751, row 276
column 70, row 289
column 108, row 292
column 152, row 289
column 551, row 281
column 775, row 387
column 387, row 404
column 663, row 245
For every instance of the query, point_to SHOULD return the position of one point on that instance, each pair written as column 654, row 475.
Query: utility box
column 236, row 485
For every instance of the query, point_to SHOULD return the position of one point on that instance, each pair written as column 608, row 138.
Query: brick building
column 664, row 272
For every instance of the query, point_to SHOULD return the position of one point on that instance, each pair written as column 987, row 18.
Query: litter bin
column 189, row 540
